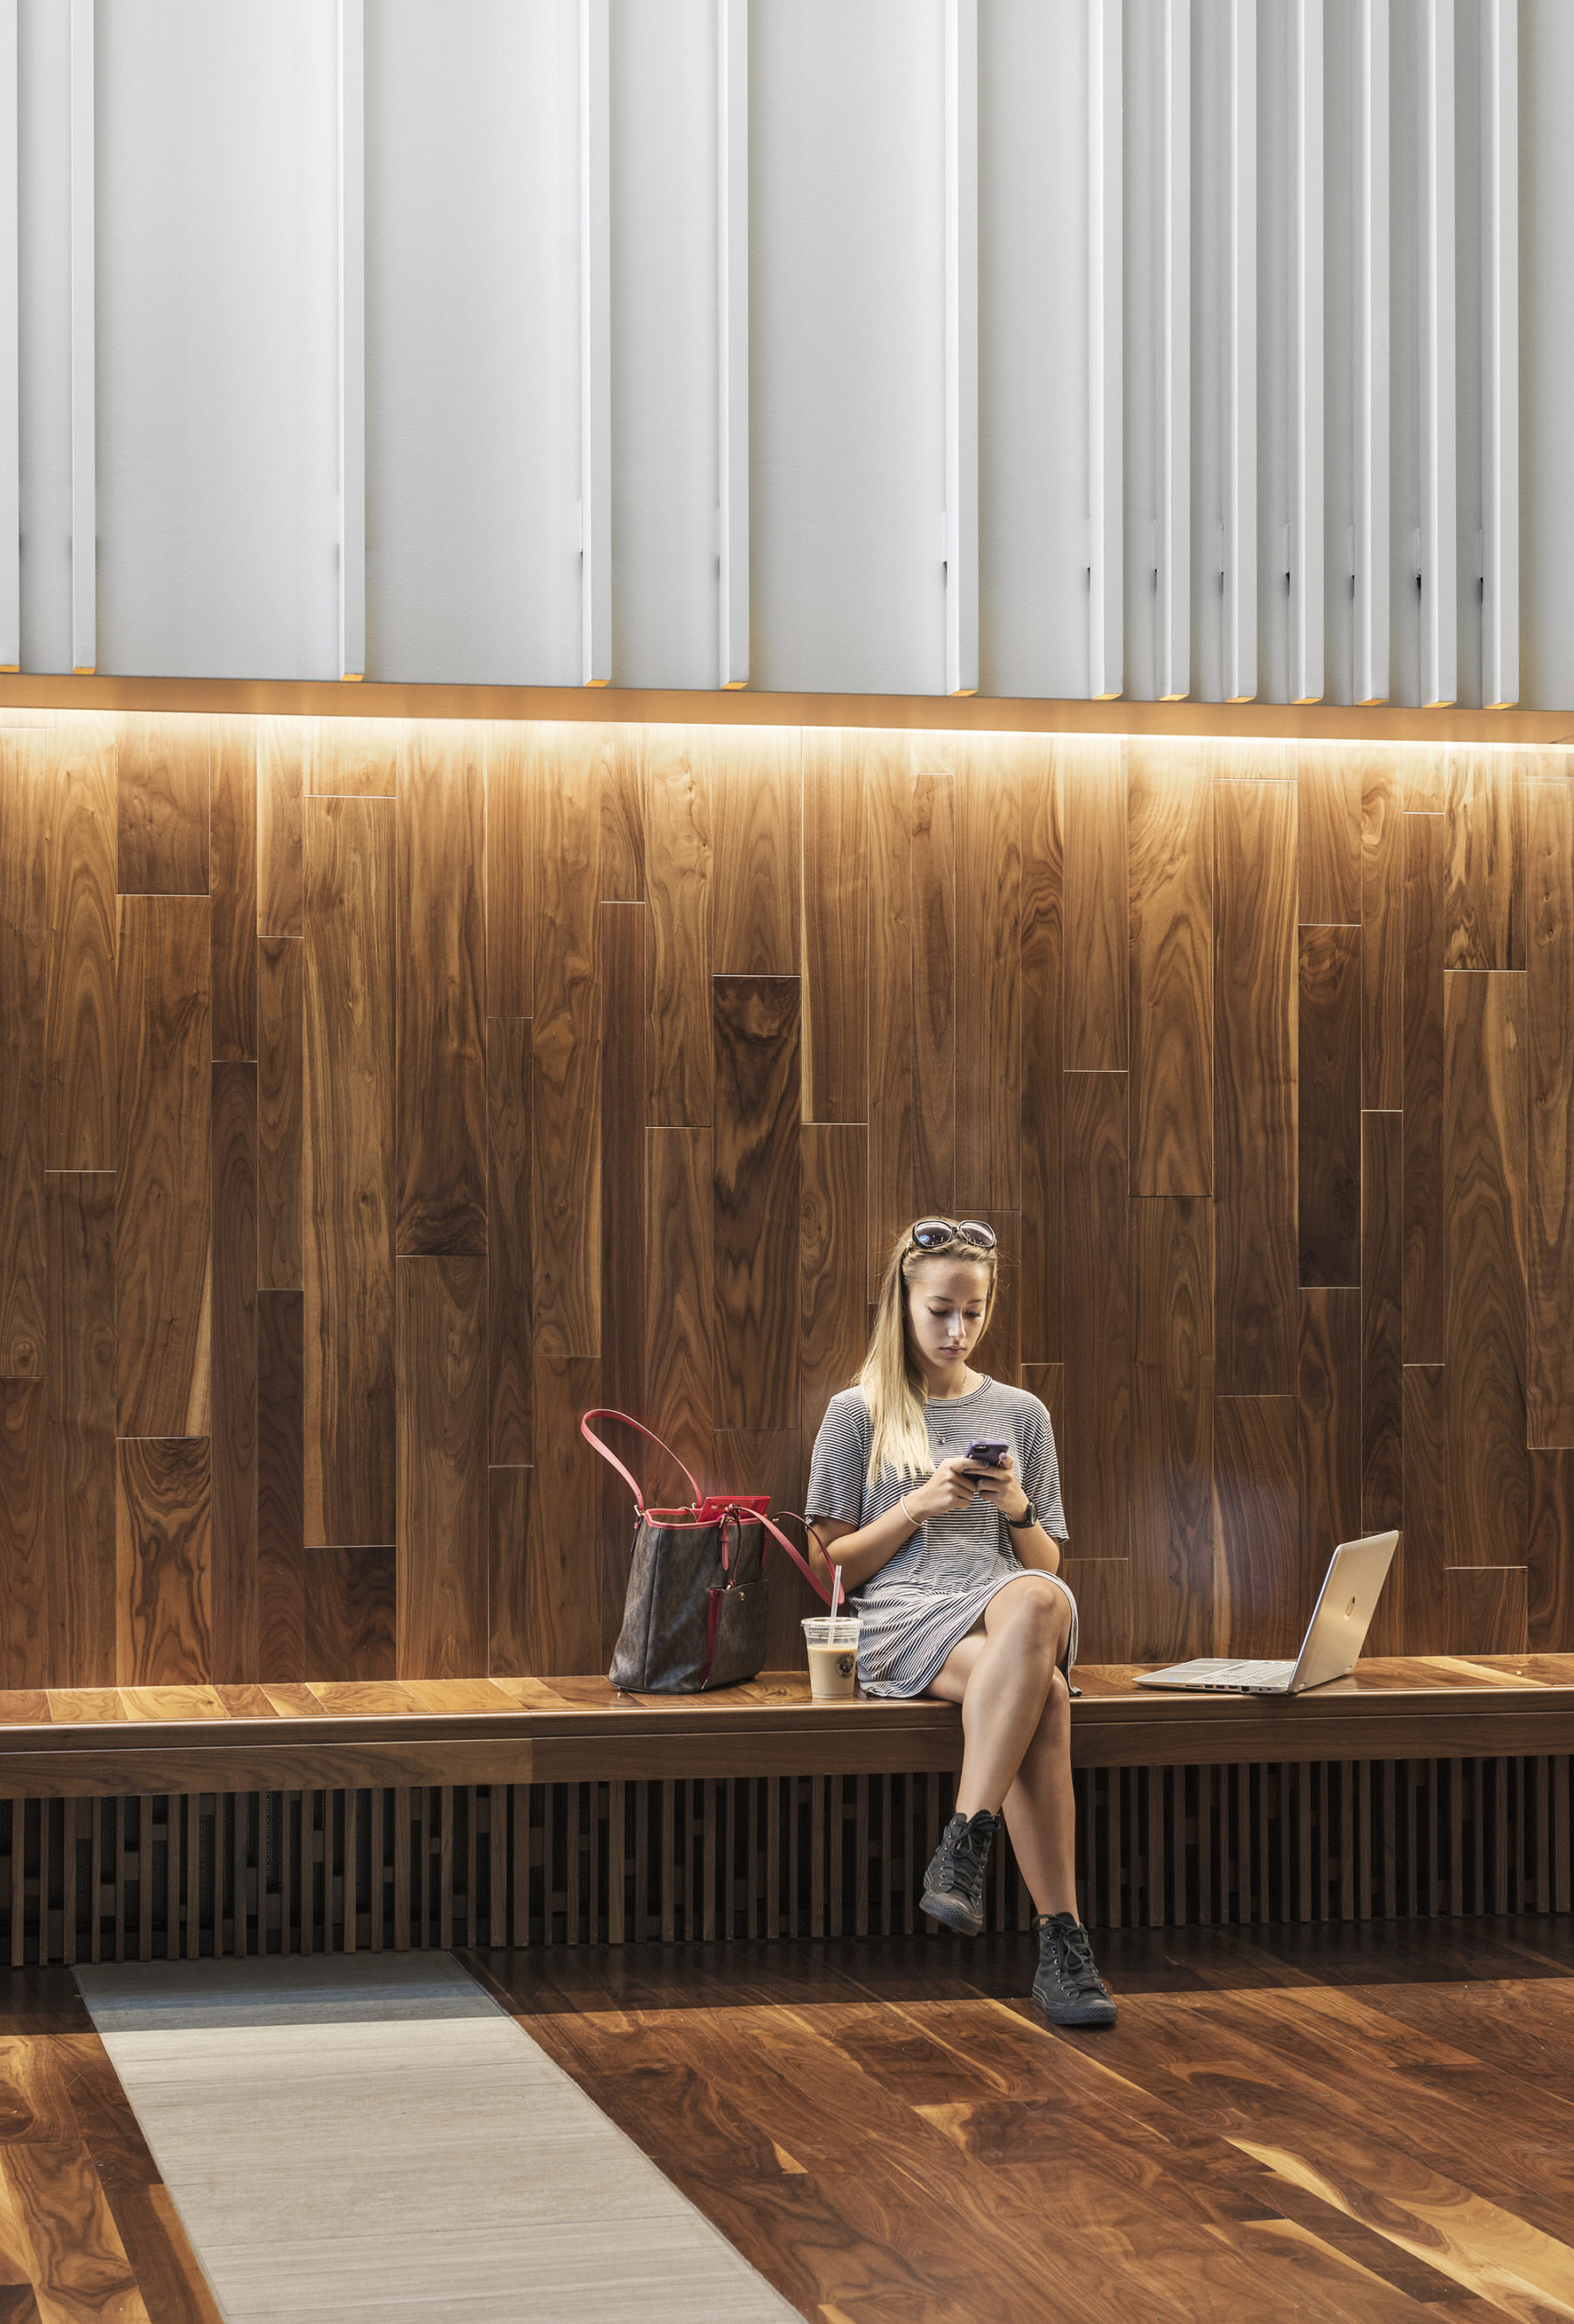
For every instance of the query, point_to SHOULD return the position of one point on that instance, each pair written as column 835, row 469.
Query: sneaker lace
column 1077, row 1966
column 969, row 1855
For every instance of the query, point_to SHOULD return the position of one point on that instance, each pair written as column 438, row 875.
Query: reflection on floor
column 1370, row 2124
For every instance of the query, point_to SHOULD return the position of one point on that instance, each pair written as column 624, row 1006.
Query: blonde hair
column 894, row 1387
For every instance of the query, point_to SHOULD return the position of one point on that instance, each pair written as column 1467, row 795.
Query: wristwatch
column 1030, row 1517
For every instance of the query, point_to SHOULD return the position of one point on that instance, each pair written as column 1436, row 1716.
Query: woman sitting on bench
column 953, row 1561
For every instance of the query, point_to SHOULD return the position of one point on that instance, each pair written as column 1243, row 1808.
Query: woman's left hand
column 1000, row 1487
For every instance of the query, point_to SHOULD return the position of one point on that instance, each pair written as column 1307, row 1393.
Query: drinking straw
column 836, row 1594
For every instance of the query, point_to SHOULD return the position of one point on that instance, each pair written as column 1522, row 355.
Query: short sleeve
column 836, row 1470
column 1041, row 1471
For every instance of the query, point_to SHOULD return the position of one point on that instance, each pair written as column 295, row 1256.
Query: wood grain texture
column 233, row 979
column 442, row 1537
column 352, row 758
column 836, row 927
column 987, row 1010
column 1000, row 1349
column 756, row 1200
column 1549, row 1553
column 623, row 957
column 1105, row 1608
column 79, row 1047
column 1483, row 1113
column 164, row 1187
column 563, row 1616
column 1261, row 1595
column 1381, row 1313
column 1550, row 1182
column 511, row 768
column 280, row 1112
column 1327, row 785
column 1426, row 1489
column 1169, row 806
column 1382, row 933
column 834, row 1236
column 1328, row 1396
column 350, row 1601
column 933, row 912
column 756, row 801
column 680, row 1297
column 164, row 1561
column 678, row 777
column 281, row 829
column 1426, row 782
column 1171, row 1565
column 622, row 831
column 891, row 1012
column 1254, row 1091
column 1096, row 1444
column 24, row 1009
column 774, row 1462
column 440, row 950
column 347, row 1182
column 565, row 1034
column 24, row 1593
column 1329, row 1105
column 509, row 1273
column 1095, row 1002
column 235, row 1578
column 281, row 1486
column 1483, row 910
column 508, row 1497
column 1042, row 1051
column 162, row 785
column 1485, row 1610
column 80, row 1376
column 1425, row 1228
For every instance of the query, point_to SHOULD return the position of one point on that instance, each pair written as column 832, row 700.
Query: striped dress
column 934, row 1591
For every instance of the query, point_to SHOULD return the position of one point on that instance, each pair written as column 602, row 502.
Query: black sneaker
column 953, row 1886
column 1068, row 1988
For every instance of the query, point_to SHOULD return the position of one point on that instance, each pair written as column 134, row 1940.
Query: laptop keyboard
column 1257, row 1674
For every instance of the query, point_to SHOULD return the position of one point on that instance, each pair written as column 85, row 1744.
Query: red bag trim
column 605, row 1412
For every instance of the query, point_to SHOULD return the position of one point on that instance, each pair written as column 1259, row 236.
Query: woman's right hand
column 949, row 1488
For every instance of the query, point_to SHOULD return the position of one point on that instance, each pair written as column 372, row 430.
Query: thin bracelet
column 916, row 1522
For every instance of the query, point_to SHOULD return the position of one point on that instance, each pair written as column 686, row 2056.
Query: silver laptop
column 1334, row 1637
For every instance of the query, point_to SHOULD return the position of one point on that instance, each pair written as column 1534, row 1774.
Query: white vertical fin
column 1240, row 381
column 1439, row 612
column 732, row 322
column 352, row 341
column 10, row 355
column 1306, row 357
column 1370, row 675
column 1500, row 353
column 595, row 346
column 961, row 346
column 1174, row 623
column 1105, row 417
column 84, row 407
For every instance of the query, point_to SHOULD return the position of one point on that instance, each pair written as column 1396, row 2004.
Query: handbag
column 696, row 1613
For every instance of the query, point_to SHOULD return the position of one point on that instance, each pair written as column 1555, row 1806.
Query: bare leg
column 1041, row 1812
column 1002, row 1679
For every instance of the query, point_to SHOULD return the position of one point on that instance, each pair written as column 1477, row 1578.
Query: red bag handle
column 588, row 1434
column 802, row 1564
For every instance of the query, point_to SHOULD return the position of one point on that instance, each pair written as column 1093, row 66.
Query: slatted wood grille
column 807, row 1856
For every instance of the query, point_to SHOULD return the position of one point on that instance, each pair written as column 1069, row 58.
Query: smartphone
column 988, row 1450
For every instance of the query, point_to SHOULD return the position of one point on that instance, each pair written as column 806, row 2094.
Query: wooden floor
column 1366, row 2124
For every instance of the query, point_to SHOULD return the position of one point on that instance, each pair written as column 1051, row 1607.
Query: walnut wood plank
column 1254, row 1094
column 79, row 1043
column 1042, row 1049
column 988, row 980
column 1171, row 1566
column 1550, row 1180
column 756, row 1200
column 440, row 950
column 833, row 1238
column 836, row 927
column 677, row 789
column 508, row 1495
column 77, row 2260
column 163, row 1558
column 351, row 1605
column 162, row 784
column 623, row 959
column 1549, row 1553
column 164, row 1189
column 774, row 1462
column 622, row 837
column 23, row 1011
column 281, row 828
column 1000, row 1349
column 280, row 1112
column 1262, row 1599
column 565, row 1036
column 1484, row 1609
column 509, row 1269
column 680, row 1298
column 352, row 758
column 1382, row 933
column 1426, row 1472
column 80, row 1377
column 1096, row 1444
column 1483, row 1113
column 24, row 1591
column 1095, row 1001
column 236, row 1577
column 1327, row 784
column 512, row 773
column 891, row 997
column 348, row 1180
column 1425, row 1228
column 1329, row 1105
column 234, row 849
column 1169, row 842
column 1484, row 897
column 563, row 1616
column 933, row 917
column 281, row 1486
column 756, row 811
column 442, row 1467
column 1106, row 1614
column 1382, row 1335
column 1329, row 1397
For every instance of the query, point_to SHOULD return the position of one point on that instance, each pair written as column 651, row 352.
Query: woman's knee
column 1038, row 1621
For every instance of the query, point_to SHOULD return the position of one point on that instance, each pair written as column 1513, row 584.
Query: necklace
column 942, row 1435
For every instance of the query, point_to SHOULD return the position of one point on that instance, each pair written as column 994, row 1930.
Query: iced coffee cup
column 833, row 1657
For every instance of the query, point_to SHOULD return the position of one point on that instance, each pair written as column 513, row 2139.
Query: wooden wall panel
column 281, row 1486
column 1483, row 1113
column 677, row 781
column 80, row 1133
column 756, row 792
column 511, row 764
column 1425, row 1227
column 1000, row 1350
column 281, row 828
column 24, row 1593
column 443, row 1538
column 1550, row 1555
column 774, row 1461
column 163, row 1186
column 1550, row 1185
column 1171, row 1571
column 1254, row 1090
column 1095, row 1446
column 236, row 1600
column 1485, row 1610
column 440, row 950
column 933, row 912
column 353, row 758
column 756, row 1200
column 23, row 1006
column 1094, row 1002
column 280, row 1112
column 509, row 1270
column 680, row 1300
column 1426, row 1488
column 1328, row 783
column 160, row 780
column 1043, row 1089
column 1329, row 1105
column 835, row 928
column 1169, row 804
column 622, row 952
column 1260, row 1601
column 234, row 850
column 563, row 1624
column 1329, row 1395
column 834, row 1236
column 508, row 1492
column 350, row 1624
column 988, row 1012
column 81, row 1375
column 891, row 1007
column 622, row 822
column 1106, row 1615
column 1485, row 900
column 565, row 1034
column 164, row 1623
column 1382, row 1334
column 349, row 1177
column 1382, row 933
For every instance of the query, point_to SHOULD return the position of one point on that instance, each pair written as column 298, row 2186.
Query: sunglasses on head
column 934, row 1234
